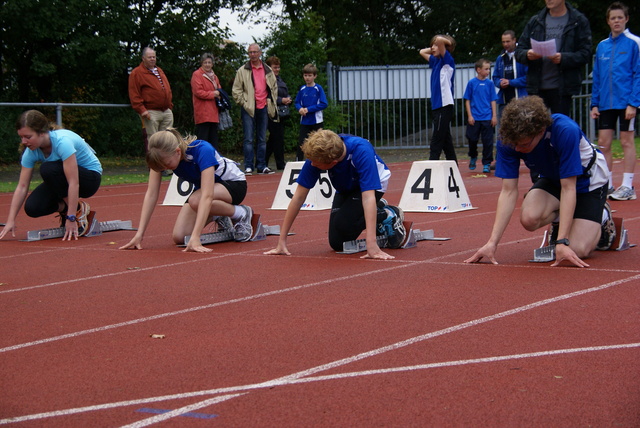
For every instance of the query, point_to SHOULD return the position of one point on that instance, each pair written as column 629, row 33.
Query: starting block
column 547, row 252
column 260, row 232
column 411, row 241
column 95, row 229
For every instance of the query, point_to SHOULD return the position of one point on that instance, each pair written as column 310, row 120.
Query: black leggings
column 347, row 221
column 45, row 199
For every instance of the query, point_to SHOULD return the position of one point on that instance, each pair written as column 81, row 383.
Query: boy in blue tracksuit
column 616, row 95
column 480, row 103
column 443, row 69
column 310, row 102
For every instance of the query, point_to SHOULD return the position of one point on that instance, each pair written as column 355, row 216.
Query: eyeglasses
column 254, row 52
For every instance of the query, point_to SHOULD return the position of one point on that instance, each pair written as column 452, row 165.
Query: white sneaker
column 243, row 231
column 623, row 193
column 248, row 171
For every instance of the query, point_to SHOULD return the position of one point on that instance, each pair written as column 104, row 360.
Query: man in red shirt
column 255, row 89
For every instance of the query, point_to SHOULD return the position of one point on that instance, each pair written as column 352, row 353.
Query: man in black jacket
column 558, row 77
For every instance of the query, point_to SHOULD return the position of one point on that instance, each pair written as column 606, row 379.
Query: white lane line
column 239, row 390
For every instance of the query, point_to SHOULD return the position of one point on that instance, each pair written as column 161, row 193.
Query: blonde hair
column 163, row 144
column 323, row 146
column 523, row 118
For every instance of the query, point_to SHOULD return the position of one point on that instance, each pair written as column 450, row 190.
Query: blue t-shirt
column 563, row 152
column 442, row 74
column 480, row 93
column 360, row 170
column 201, row 155
column 64, row 143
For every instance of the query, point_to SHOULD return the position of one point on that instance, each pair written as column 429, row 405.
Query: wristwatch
column 72, row 218
column 563, row 241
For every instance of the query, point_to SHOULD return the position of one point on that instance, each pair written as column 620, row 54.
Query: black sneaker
column 393, row 228
column 608, row 234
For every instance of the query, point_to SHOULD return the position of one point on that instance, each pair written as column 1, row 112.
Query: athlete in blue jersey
column 443, row 69
column 69, row 169
column 360, row 178
column 571, row 193
column 220, row 186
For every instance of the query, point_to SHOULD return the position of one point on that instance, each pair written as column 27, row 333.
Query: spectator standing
column 275, row 143
column 480, row 103
column 443, row 69
column 150, row 94
column 558, row 77
column 509, row 76
column 616, row 96
column 204, row 90
column 310, row 102
column 255, row 90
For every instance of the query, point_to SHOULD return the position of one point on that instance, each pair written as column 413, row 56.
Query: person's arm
column 135, row 95
column 467, row 106
column 494, row 113
column 70, row 167
column 204, row 210
column 293, row 209
column 506, row 205
column 19, row 196
column 568, row 196
column 238, row 89
column 523, row 48
column 425, row 53
column 369, row 204
column 322, row 102
column 150, row 200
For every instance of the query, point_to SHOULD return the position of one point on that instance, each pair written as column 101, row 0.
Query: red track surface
column 318, row 338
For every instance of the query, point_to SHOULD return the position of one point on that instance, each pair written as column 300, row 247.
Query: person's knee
column 529, row 222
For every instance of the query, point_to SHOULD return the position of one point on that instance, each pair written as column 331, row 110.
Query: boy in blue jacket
column 310, row 102
column 616, row 95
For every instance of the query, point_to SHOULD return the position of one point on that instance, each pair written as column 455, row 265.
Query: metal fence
column 391, row 105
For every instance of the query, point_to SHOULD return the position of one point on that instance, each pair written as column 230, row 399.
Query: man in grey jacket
column 255, row 90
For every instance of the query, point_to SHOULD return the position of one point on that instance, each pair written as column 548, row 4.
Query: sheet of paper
column 546, row 48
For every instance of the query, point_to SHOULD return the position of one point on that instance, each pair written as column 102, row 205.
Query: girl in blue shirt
column 220, row 186
column 69, row 169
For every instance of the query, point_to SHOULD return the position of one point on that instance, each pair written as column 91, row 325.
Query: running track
column 318, row 338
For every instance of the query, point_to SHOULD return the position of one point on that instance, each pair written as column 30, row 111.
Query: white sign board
column 178, row 191
column 435, row 186
column 320, row 196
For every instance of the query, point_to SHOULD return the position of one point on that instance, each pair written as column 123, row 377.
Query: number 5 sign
column 320, row 196
column 435, row 186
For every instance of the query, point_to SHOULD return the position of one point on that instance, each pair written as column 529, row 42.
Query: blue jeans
column 257, row 123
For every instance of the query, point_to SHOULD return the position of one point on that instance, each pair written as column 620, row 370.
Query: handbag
column 225, row 121
column 283, row 111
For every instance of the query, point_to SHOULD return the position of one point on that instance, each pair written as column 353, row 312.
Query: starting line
column 414, row 235
column 547, row 253
column 260, row 232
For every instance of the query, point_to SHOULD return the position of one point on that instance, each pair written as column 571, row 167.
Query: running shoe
column 248, row 171
column 608, row 234
column 392, row 227
column 267, row 170
column 82, row 217
column 224, row 223
column 486, row 169
column 243, row 231
column 624, row 193
column 472, row 163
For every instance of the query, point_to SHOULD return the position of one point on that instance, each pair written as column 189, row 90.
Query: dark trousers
column 45, row 199
column 208, row 131
column 441, row 138
column 557, row 103
column 481, row 130
column 346, row 221
column 275, row 143
column 305, row 130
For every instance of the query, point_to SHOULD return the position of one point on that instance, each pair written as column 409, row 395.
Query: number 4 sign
column 435, row 186
column 320, row 196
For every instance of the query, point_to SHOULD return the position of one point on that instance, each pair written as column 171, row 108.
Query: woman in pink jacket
column 204, row 87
